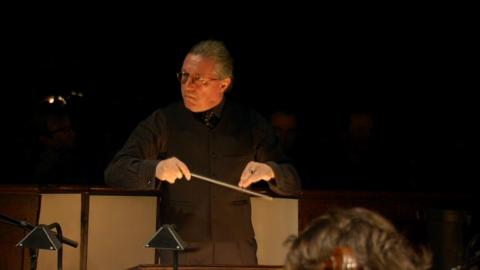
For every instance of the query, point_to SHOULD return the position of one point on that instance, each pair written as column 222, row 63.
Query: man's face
column 201, row 87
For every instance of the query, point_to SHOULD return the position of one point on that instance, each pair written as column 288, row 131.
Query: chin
column 192, row 108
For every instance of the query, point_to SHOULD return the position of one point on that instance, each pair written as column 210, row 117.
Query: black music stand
column 167, row 238
column 41, row 237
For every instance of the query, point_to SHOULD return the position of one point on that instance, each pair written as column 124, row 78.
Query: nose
column 190, row 84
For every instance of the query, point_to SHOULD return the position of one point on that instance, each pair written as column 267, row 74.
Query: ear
column 225, row 83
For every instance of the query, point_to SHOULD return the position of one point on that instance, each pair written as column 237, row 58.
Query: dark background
column 414, row 72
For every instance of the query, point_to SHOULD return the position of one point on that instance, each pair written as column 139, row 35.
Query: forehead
column 198, row 64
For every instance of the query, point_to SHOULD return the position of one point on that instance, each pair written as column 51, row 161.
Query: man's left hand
column 254, row 172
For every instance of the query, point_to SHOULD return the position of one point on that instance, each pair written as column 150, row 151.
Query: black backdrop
column 415, row 75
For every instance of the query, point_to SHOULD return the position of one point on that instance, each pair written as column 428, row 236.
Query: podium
column 106, row 221
column 107, row 224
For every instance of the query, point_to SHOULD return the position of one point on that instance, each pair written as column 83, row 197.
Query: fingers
column 249, row 175
column 249, row 169
column 254, row 172
column 184, row 171
column 172, row 169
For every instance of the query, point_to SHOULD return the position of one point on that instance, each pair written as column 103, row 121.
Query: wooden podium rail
column 110, row 223
column 209, row 267
column 105, row 221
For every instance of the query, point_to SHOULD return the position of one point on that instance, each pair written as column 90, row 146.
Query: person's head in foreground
column 354, row 238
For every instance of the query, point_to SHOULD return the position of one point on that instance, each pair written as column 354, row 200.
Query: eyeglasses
column 195, row 79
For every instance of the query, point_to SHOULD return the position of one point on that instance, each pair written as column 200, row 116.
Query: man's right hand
column 172, row 169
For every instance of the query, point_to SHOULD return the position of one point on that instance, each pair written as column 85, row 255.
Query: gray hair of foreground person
column 374, row 243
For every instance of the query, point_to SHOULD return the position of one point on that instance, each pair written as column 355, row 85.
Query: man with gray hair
column 354, row 239
column 210, row 135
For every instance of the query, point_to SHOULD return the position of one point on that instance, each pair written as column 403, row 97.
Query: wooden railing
column 410, row 212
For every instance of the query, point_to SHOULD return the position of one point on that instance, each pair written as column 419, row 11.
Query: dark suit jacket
column 203, row 212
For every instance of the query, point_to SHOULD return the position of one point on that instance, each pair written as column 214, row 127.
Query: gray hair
column 373, row 239
column 216, row 50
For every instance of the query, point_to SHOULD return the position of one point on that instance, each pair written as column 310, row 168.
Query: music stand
column 167, row 238
column 41, row 237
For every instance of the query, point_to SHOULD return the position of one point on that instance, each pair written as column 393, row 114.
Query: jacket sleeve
column 269, row 151
column 133, row 167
